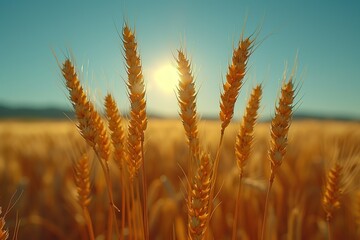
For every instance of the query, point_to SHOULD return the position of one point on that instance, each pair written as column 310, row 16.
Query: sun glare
column 166, row 78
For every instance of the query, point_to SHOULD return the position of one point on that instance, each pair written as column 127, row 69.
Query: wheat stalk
column 138, row 117
column 280, row 125
column 231, row 88
column 136, row 87
column 244, row 141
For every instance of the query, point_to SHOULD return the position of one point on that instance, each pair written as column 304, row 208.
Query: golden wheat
column 187, row 104
column 198, row 207
column 82, row 181
column 90, row 124
column 4, row 234
column 280, row 125
column 234, row 81
column 243, row 143
column 137, row 122
column 136, row 86
column 117, row 131
column 245, row 136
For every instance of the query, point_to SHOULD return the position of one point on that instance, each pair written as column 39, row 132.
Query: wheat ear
column 4, row 234
column 234, row 81
column 82, row 181
column 136, row 88
column 187, row 104
column 244, row 141
column 198, row 205
column 280, row 125
column 117, row 131
column 90, row 123
column 138, row 117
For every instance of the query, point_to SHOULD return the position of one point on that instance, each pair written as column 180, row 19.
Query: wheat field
column 36, row 158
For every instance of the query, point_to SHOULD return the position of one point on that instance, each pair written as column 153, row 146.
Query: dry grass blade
column 234, row 81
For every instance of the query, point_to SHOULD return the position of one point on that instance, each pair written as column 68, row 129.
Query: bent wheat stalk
column 92, row 130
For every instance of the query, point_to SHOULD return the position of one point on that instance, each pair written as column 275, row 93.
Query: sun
column 166, row 78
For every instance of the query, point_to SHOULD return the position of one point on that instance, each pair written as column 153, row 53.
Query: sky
column 324, row 35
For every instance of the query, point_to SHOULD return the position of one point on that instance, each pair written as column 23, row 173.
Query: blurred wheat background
column 36, row 159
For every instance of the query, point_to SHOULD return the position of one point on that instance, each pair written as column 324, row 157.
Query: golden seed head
column 90, row 123
column 245, row 135
column 82, row 180
column 280, row 124
column 333, row 191
column 234, row 81
column 117, row 131
column 187, row 102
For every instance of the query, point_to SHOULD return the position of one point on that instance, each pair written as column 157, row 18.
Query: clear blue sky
column 326, row 35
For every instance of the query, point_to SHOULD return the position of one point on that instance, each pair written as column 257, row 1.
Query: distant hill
column 59, row 114
column 34, row 113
